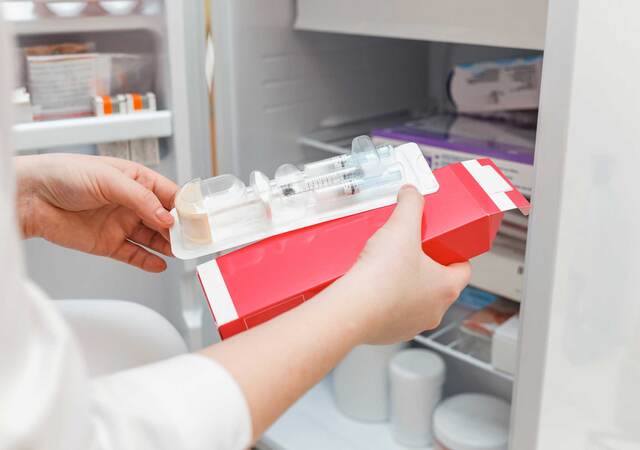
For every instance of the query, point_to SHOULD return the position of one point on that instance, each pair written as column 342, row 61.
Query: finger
column 139, row 257
column 122, row 190
column 164, row 232
column 408, row 212
column 164, row 188
column 151, row 239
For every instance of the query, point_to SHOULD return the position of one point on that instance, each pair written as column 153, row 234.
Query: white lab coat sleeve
column 188, row 402
column 46, row 399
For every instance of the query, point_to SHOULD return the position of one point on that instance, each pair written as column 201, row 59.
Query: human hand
column 393, row 292
column 103, row 206
column 401, row 291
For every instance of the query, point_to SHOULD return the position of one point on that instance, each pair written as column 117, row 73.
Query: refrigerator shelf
column 315, row 423
column 91, row 130
column 337, row 139
column 30, row 25
column 498, row 23
column 445, row 340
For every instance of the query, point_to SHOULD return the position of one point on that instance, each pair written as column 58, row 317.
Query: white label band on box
column 493, row 184
column 416, row 171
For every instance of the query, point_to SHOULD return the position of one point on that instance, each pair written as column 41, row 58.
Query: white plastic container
column 504, row 346
column 222, row 213
column 361, row 382
column 119, row 7
column 471, row 422
column 417, row 376
column 67, row 9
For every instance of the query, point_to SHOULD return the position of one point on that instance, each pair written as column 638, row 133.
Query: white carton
column 504, row 346
column 507, row 84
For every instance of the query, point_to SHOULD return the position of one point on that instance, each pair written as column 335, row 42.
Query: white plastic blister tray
column 222, row 213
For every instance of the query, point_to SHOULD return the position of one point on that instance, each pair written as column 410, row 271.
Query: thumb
column 119, row 189
column 460, row 274
column 407, row 215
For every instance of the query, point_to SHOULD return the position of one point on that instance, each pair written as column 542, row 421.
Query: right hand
column 404, row 291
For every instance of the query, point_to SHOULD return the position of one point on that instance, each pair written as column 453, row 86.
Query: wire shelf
column 446, row 340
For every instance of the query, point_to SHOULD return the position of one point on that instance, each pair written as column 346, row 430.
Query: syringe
column 317, row 182
column 390, row 178
column 366, row 156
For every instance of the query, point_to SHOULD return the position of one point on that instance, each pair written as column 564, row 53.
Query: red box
column 256, row 283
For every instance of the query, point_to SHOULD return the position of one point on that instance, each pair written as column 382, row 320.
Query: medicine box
column 251, row 285
column 501, row 85
column 449, row 138
column 501, row 270
column 504, row 348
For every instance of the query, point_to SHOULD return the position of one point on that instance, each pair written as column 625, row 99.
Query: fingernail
column 164, row 216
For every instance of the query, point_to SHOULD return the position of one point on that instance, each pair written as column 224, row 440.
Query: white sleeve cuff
column 189, row 402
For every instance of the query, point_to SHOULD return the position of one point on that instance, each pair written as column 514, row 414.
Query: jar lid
column 472, row 422
column 419, row 363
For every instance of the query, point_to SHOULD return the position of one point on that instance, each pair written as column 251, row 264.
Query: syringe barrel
column 388, row 180
column 326, row 165
column 313, row 183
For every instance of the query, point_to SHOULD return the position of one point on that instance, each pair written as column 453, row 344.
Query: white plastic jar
column 361, row 382
column 471, row 422
column 119, row 7
column 67, row 9
column 417, row 376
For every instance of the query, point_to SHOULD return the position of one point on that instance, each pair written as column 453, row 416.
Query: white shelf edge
column 374, row 30
column 84, row 24
column 428, row 341
column 337, row 139
column 91, row 130
column 324, row 146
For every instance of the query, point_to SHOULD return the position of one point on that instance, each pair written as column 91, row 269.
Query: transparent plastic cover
column 221, row 213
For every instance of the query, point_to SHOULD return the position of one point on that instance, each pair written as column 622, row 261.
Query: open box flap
column 496, row 185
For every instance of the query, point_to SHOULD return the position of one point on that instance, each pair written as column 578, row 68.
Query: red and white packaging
column 256, row 283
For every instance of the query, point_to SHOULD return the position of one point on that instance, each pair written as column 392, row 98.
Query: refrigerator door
column 577, row 384
column 174, row 32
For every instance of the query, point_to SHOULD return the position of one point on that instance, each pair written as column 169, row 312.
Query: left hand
column 103, row 206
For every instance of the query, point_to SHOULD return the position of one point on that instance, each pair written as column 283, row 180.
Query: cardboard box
column 446, row 139
column 507, row 84
column 504, row 346
column 501, row 270
column 256, row 283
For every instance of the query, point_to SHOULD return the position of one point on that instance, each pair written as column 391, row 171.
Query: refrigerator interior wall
column 275, row 84
column 178, row 48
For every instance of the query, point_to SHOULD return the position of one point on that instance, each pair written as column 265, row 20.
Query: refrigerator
column 295, row 80
column 172, row 35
